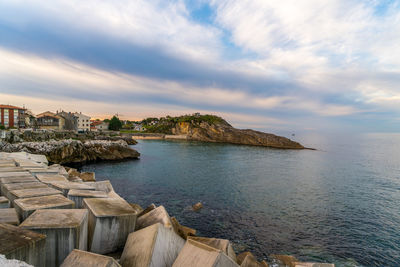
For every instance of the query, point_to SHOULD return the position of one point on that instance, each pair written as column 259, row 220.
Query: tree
column 115, row 124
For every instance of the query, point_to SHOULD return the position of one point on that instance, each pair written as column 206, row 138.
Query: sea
column 339, row 203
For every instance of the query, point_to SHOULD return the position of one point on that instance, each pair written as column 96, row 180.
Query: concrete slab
column 155, row 245
column 32, row 192
column 79, row 258
column 158, row 215
column 221, row 244
column 9, row 216
column 65, row 229
column 12, row 180
column 26, row 206
column 15, row 174
column 6, row 188
column 77, row 196
column 196, row 254
column 110, row 222
column 105, row 186
column 24, row 245
column 11, row 169
column 49, row 178
column 66, row 186
column 4, row 202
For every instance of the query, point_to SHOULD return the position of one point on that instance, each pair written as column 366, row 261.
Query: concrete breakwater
column 61, row 217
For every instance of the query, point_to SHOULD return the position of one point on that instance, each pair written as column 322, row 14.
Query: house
column 12, row 116
column 30, row 119
column 99, row 126
column 83, row 122
column 71, row 121
column 138, row 127
column 50, row 121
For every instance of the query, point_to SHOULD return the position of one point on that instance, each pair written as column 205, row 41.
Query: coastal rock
column 197, row 206
column 223, row 132
column 74, row 151
column 87, row 176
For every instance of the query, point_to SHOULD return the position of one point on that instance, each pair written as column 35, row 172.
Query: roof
column 10, row 107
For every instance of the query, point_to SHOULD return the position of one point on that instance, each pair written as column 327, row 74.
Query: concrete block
column 87, row 176
column 155, row 245
column 196, row 254
column 15, row 174
column 38, row 158
column 105, row 186
column 313, row 264
column 65, row 229
column 9, row 216
column 24, row 245
column 79, row 258
column 221, row 244
column 4, row 203
column 43, row 171
column 181, row 230
column 11, row 180
column 49, row 178
column 151, row 207
column 6, row 188
column 247, row 259
column 77, row 196
column 158, row 215
column 11, row 169
column 31, row 192
column 13, row 263
column 26, row 206
column 110, row 223
column 66, row 186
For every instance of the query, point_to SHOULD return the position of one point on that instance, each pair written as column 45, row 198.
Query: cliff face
column 222, row 132
column 74, row 151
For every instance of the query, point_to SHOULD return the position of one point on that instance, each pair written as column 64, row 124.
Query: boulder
column 87, row 176
column 155, row 245
column 73, row 172
column 197, row 206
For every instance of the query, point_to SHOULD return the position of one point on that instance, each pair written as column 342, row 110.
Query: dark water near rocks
column 340, row 204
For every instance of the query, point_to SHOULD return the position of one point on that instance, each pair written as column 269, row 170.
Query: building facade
column 83, row 122
column 50, row 121
column 12, row 116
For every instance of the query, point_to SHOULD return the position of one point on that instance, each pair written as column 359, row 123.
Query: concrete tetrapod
column 152, row 246
column 23, row 245
column 79, row 258
column 157, row 215
column 110, row 222
column 26, row 206
column 196, row 254
column 221, row 244
column 66, row 229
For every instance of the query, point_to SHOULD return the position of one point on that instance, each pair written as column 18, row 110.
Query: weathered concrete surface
column 4, row 203
column 313, row 264
column 11, row 180
column 87, row 176
column 49, row 178
column 181, row 230
column 196, row 254
column 285, row 259
column 9, row 216
column 77, row 196
column 11, row 169
column 79, row 258
column 247, row 259
column 6, row 188
column 12, row 263
column 104, row 186
column 26, row 206
column 110, row 222
column 64, row 187
column 221, row 244
column 42, row 171
column 24, row 245
column 66, row 229
column 15, row 174
column 152, row 246
column 158, row 215
column 31, row 192
column 151, row 207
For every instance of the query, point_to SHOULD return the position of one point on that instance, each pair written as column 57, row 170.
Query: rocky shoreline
column 56, row 216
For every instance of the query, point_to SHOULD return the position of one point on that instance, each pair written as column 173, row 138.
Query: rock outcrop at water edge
column 74, row 151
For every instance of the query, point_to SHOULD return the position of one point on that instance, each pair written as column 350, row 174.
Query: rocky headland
column 74, row 151
column 209, row 128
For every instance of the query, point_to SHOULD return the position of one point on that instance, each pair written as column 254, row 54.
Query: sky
column 287, row 65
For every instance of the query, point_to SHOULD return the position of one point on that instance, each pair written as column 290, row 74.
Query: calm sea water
column 339, row 204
